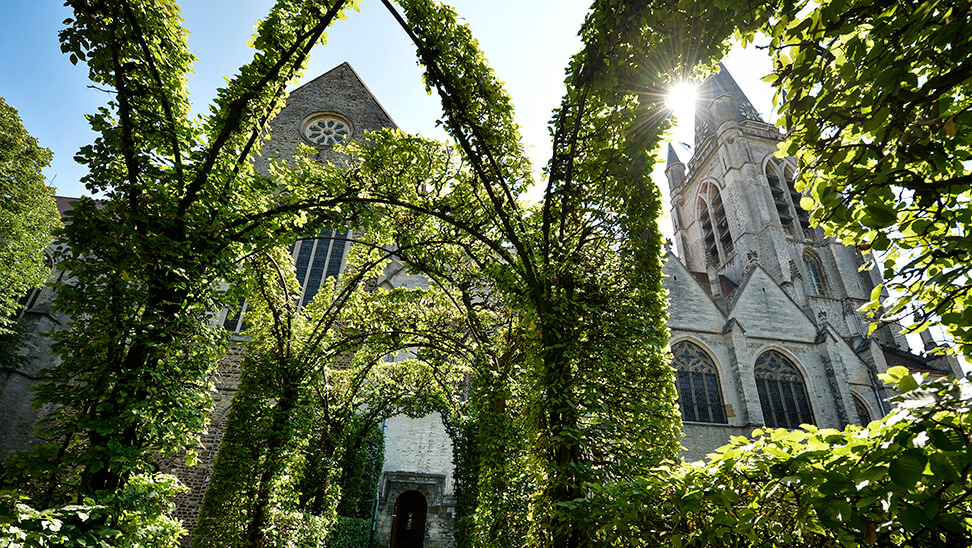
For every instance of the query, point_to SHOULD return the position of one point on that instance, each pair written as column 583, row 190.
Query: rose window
column 327, row 130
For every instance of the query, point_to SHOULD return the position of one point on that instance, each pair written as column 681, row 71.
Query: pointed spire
column 720, row 83
column 674, row 170
column 672, row 157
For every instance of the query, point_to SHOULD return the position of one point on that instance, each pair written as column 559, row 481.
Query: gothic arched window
column 315, row 260
column 699, row 395
column 863, row 417
column 715, row 225
column 782, row 393
column 803, row 216
column 787, row 199
column 815, row 279
column 721, row 222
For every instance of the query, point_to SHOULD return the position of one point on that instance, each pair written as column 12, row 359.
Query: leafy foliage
column 349, row 533
column 579, row 274
column 876, row 97
column 552, row 314
column 315, row 384
column 28, row 215
column 135, row 517
column 360, row 475
column 183, row 206
column 903, row 480
column 572, row 317
column 9, row 343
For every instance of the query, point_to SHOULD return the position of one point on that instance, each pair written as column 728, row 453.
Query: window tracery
column 326, row 129
column 699, row 392
column 782, row 392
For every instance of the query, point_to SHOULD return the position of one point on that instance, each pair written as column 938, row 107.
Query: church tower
column 764, row 320
column 735, row 207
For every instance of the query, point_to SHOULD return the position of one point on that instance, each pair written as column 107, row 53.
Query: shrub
column 350, row 533
column 903, row 480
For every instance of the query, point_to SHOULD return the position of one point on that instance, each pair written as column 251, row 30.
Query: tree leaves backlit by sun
column 878, row 102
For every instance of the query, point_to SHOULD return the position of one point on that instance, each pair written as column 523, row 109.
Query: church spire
column 672, row 157
column 674, row 170
column 720, row 83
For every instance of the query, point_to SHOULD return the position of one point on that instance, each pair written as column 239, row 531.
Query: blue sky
column 528, row 43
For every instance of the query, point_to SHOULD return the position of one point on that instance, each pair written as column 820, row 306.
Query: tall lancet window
column 815, row 279
column 722, row 223
column 715, row 225
column 802, row 215
column 780, row 197
column 699, row 394
column 794, row 219
column 315, row 260
column 782, row 392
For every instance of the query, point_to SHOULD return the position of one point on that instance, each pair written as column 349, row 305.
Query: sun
column 681, row 100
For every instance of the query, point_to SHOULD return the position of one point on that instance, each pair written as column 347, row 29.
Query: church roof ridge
column 914, row 362
column 676, row 262
column 731, row 305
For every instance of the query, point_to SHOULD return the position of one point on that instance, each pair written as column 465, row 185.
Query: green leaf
column 912, row 518
column 947, row 439
column 907, row 383
column 906, row 470
column 894, row 374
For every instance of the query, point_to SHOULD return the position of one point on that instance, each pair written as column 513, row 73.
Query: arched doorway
column 408, row 528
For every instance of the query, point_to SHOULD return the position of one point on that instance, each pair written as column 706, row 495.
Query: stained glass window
column 699, row 394
column 782, row 393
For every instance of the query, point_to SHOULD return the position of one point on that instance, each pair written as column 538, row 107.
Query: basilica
column 765, row 322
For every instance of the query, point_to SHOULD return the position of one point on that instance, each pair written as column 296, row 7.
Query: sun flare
column 681, row 100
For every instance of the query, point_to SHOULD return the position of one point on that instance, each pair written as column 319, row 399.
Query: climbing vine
column 182, row 205
column 315, row 384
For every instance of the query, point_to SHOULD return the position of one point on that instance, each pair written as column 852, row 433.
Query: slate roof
column 914, row 362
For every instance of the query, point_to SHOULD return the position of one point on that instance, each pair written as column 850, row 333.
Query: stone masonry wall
column 196, row 478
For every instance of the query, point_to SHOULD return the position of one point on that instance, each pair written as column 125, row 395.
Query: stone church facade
column 764, row 322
